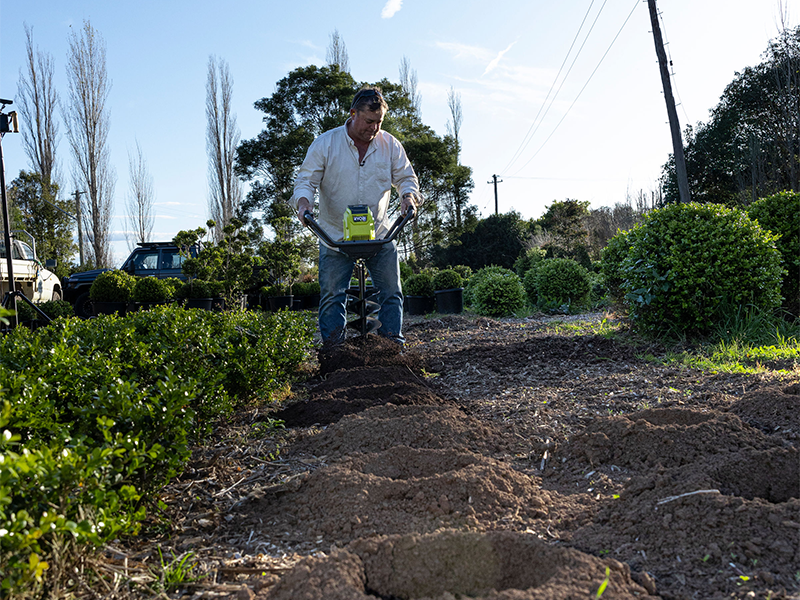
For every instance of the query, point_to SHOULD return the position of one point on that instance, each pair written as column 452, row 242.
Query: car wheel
column 83, row 306
column 56, row 295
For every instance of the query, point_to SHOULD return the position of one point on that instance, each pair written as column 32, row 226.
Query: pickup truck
column 31, row 277
column 149, row 259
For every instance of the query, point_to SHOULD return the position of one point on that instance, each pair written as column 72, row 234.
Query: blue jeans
column 335, row 270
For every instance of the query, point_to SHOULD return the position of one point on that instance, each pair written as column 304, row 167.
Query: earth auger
column 359, row 244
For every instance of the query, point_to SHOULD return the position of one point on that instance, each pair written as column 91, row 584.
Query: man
column 357, row 163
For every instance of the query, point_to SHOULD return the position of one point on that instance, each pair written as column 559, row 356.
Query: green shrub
column 151, row 289
column 447, row 279
column 196, row 288
column 686, row 262
column 405, row 270
column 528, row 260
column 611, row 265
column 305, row 288
column 529, row 283
column 464, row 271
column 499, row 294
column 113, row 286
column 419, row 284
column 97, row 427
column 478, row 277
column 562, row 281
column 780, row 214
column 57, row 308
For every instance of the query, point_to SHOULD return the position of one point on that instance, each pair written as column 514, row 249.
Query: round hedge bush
column 499, row 294
column 151, row 289
column 780, row 214
column 562, row 281
column 419, row 284
column 689, row 262
column 112, row 286
column 447, row 279
column 528, row 260
column 478, row 277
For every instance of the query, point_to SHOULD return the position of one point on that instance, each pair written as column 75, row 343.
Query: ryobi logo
column 362, row 219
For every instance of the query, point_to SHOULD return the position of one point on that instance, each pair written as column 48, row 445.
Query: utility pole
column 80, row 223
column 674, row 125
column 495, row 181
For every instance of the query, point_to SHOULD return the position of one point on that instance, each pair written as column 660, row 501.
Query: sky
column 559, row 99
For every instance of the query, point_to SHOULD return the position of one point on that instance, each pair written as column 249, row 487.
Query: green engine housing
column 358, row 223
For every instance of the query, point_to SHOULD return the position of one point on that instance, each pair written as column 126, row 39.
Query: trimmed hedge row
column 98, row 415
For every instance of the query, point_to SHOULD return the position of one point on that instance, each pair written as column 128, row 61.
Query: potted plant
column 197, row 294
column 111, row 292
column 150, row 291
column 282, row 259
column 308, row 292
column 448, row 291
column 418, row 291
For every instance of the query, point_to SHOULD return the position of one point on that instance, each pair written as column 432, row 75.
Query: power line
column 531, row 131
column 583, row 88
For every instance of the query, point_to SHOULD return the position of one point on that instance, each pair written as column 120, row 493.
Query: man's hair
column 369, row 98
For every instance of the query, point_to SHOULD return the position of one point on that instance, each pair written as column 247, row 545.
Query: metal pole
column 7, row 233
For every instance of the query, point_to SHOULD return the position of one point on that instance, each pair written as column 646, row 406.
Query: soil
column 511, row 459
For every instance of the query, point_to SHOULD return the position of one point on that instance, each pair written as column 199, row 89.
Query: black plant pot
column 203, row 303
column 419, row 305
column 110, row 308
column 277, row 303
column 450, row 301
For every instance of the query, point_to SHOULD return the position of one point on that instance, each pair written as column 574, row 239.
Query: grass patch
column 750, row 341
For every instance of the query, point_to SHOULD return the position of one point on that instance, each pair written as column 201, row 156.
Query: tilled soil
column 502, row 459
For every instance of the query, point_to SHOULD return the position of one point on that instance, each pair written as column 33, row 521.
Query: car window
column 171, row 259
column 24, row 251
column 146, row 260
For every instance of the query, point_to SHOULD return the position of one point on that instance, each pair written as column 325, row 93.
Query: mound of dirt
column 404, row 490
column 355, row 390
column 666, row 437
column 383, row 427
column 368, row 351
column 772, row 409
column 450, row 564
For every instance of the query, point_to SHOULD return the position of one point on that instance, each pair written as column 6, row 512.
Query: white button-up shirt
column 331, row 167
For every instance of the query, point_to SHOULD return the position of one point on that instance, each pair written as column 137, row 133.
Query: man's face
column 365, row 125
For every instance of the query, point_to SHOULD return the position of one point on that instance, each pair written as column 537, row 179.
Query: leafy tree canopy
column 38, row 211
column 750, row 147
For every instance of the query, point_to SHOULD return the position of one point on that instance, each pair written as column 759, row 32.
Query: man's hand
column 407, row 202
column 303, row 205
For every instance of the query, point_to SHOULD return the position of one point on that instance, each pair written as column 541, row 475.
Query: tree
column 39, row 212
column 87, row 119
column 496, row 240
column 307, row 102
column 38, row 100
column 750, row 147
column 222, row 138
column 408, row 81
column 337, row 53
column 140, row 199
column 565, row 222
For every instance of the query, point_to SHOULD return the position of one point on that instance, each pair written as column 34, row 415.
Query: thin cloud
column 391, row 8
column 491, row 66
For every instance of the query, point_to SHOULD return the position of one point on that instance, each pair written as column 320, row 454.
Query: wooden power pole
column 495, row 181
column 674, row 125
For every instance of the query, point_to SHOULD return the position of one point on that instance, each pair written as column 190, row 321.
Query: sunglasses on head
column 366, row 94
